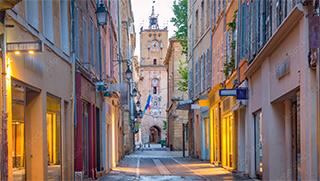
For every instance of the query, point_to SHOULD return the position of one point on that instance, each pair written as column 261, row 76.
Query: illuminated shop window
column 53, row 139
column 18, row 132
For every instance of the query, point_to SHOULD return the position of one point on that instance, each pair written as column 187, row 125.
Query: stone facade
column 153, row 81
column 175, row 117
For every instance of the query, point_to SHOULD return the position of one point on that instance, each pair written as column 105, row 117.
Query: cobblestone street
column 156, row 163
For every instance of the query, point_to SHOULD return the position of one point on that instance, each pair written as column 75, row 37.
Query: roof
column 184, row 105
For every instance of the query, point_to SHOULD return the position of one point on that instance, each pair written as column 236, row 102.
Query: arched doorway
column 155, row 134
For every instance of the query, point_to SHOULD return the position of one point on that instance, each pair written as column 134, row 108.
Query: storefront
column 215, row 125
column 87, row 138
column 228, row 149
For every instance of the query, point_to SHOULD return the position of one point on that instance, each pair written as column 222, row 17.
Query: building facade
column 37, row 92
column 282, row 111
column 199, row 44
column 175, row 118
column 153, row 82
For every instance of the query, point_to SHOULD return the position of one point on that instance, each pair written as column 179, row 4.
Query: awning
column 184, row 105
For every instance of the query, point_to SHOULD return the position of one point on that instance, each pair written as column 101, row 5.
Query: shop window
column 258, row 142
column 18, row 132
column 206, row 134
column 53, row 139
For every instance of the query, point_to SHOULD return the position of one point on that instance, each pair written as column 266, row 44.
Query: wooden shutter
column 203, row 72
column 213, row 70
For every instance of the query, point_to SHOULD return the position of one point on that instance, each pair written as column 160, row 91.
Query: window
column 258, row 141
column 32, row 13
column 202, row 16
column 209, row 69
column 154, row 61
column 214, row 12
column 196, row 79
column 203, row 72
column 279, row 11
column 199, row 76
column 197, row 29
column 98, row 61
column 92, row 48
column 47, row 20
column 208, row 12
column 154, row 90
column 85, row 42
column 53, row 137
column 213, row 70
column 219, row 7
column 64, row 26
column 243, row 31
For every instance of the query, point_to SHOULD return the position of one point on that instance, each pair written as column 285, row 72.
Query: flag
column 148, row 105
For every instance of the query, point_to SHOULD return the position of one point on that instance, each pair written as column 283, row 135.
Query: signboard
column 227, row 92
column 25, row 46
column 240, row 93
column 195, row 106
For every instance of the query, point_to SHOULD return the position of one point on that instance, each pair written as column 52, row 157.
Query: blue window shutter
column 199, row 76
column 213, row 70
column 47, row 19
column 32, row 13
column 64, row 27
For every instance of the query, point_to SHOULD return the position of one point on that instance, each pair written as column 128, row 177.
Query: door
column 85, row 138
column 296, row 154
column 53, row 139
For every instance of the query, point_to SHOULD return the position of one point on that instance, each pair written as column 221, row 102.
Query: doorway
column 228, row 141
column 53, row 139
column 18, row 132
column 155, row 134
column 296, row 153
column 85, row 139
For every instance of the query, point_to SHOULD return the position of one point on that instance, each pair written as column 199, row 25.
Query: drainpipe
column 4, row 141
column 73, row 72
column 119, row 43
column 238, row 43
column 192, row 60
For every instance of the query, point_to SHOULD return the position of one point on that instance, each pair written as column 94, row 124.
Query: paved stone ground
column 161, row 164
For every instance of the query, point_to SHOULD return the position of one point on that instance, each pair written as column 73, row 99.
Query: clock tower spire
column 153, row 19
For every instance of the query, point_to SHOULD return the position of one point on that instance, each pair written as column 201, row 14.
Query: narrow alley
column 157, row 163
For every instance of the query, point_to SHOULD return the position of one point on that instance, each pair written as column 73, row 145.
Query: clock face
column 155, row 83
column 155, row 45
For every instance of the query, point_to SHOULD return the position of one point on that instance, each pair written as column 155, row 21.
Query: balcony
column 8, row 4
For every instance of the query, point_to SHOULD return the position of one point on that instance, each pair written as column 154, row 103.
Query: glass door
column 53, row 139
column 18, row 132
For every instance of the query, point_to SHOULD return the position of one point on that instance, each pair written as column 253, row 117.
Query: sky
column 142, row 10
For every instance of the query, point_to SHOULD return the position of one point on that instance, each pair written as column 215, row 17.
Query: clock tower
column 153, row 80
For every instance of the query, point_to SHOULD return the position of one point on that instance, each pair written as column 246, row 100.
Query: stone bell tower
column 153, row 79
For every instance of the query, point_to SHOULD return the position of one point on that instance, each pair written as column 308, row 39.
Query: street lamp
column 101, row 14
column 128, row 73
column 140, row 113
column 107, row 93
column 134, row 92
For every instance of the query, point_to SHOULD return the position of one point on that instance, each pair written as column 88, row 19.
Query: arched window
column 155, row 85
column 154, row 61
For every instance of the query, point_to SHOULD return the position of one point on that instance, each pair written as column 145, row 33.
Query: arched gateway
column 154, row 134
